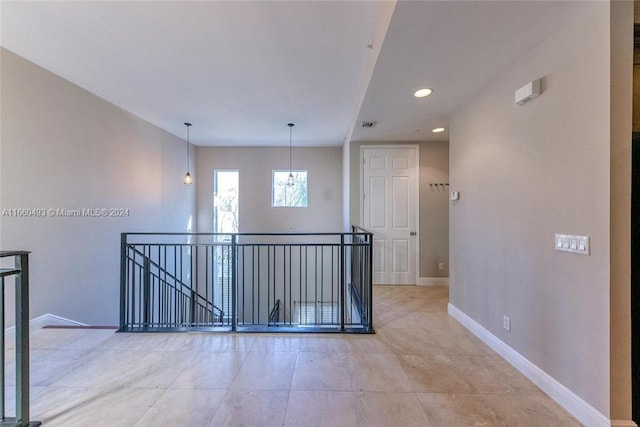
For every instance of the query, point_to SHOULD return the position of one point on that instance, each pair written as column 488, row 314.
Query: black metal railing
column 19, row 272
column 274, row 315
column 246, row 281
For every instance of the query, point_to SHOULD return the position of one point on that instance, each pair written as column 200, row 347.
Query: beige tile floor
column 421, row 368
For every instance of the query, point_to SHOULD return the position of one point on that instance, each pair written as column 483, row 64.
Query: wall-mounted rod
column 437, row 186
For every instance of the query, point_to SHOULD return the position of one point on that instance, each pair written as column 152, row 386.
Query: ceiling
column 240, row 71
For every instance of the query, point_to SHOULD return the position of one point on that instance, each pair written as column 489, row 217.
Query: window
column 225, row 201
column 310, row 313
column 225, row 220
column 293, row 196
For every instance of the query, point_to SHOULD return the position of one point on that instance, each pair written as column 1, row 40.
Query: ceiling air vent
column 367, row 125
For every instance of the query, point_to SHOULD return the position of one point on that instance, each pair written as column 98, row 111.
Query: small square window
column 284, row 195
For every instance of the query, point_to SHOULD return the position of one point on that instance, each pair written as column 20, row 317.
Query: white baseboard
column 45, row 320
column 433, row 281
column 571, row 402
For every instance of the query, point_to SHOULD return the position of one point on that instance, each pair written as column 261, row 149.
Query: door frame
column 635, row 275
column 416, row 195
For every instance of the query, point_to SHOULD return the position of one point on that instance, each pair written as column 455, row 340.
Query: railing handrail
column 246, row 234
column 185, row 289
column 189, row 292
column 274, row 315
column 336, row 270
column 362, row 230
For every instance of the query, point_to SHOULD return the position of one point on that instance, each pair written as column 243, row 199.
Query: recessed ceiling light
column 421, row 93
column 438, row 130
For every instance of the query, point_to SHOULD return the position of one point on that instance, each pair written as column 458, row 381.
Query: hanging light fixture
column 290, row 181
column 187, row 177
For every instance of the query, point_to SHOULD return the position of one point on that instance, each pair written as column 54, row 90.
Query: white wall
column 63, row 147
column 324, row 175
column 525, row 173
column 434, row 209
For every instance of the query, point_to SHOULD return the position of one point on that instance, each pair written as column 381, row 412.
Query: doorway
column 389, row 196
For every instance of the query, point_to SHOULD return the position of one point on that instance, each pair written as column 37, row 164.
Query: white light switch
column 574, row 244
column 455, row 195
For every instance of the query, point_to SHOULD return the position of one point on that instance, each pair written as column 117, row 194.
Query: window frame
column 273, row 187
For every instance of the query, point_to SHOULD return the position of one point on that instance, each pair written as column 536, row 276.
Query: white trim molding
column 46, row 320
column 571, row 402
column 416, row 193
column 433, row 281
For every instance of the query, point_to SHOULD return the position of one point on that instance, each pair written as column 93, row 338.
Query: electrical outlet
column 441, row 266
column 506, row 323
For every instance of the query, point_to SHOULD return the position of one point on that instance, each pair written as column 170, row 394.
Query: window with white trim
column 285, row 195
column 306, row 313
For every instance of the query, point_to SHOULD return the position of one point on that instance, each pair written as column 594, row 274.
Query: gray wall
column 434, row 207
column 63, row 147
column 525, row 173
column 324, row 175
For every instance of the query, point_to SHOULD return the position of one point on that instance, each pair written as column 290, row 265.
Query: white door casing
column 389, row 194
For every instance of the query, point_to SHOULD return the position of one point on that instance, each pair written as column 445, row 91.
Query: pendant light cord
column 188, row 125
column 290, row 180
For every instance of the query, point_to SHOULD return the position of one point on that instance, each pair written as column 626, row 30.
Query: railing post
column 146, row 290
column 123, row 279
column 22, row 340
column 352, row 266
column 343, row 295
column 369, row 281
column 2, row 341
column 234, row 285
column 192, row 308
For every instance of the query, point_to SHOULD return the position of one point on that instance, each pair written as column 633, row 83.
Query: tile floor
column 421, row 368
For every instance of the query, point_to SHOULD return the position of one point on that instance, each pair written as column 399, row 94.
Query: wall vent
column 367, row 125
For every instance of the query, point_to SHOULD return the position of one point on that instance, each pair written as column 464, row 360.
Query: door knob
column 412, row 233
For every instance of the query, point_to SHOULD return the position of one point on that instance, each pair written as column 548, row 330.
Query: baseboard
column 44, row 320
column 433, row 281
column 571, row 402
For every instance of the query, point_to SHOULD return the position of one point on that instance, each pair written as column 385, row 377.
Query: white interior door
column 390, row 211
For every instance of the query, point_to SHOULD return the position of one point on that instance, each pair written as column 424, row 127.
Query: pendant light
column 290, row 181
column 187, row 177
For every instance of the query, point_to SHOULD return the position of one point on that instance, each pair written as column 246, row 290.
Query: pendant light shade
column 290, row 180
column 187, row 177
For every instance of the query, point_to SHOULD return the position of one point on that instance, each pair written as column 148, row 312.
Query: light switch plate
column 573, row 243
column 455, row 195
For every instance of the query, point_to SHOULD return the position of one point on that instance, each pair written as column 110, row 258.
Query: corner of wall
column 621, row 124
column 346, row 187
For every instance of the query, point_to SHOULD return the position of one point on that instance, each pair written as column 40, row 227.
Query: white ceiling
column 240, row 71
